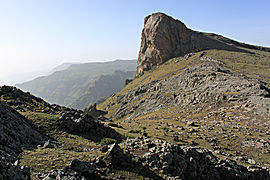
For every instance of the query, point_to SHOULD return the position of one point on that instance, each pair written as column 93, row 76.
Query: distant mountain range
column 78, row 85
column 62, row 67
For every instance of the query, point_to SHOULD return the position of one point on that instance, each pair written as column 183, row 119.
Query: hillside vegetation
column 69, row 86
column 214, row 99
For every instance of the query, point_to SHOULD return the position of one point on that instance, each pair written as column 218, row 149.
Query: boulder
column 84, row 167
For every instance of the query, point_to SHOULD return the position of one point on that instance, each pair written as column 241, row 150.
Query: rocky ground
column 45, row 130
column 59, row 146
column 193, row 117
column 157, row 159
column 204, row 100
column 206, row 83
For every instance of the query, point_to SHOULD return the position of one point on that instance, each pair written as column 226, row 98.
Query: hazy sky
column 38, row 35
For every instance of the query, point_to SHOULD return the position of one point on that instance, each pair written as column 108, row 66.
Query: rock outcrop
column 87, row 124
column 186, row 162
column 24, row 101
column 16, row 133
column 164, row 38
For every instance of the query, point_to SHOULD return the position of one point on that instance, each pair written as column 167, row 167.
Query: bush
column 135, row 131
column 166, row 129
column 145, row 134
column 106, row 141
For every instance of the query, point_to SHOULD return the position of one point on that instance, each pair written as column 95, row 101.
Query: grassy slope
column 43, row 159
column 73, row 147
column 171, row 123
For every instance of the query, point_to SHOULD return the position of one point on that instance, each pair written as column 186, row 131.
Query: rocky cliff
column 164, row 37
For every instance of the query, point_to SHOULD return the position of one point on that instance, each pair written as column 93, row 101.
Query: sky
column 38, row 35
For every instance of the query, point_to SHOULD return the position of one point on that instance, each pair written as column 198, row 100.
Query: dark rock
column 116, row 158
column 12, row 171
column 128, row 81
column 17, row 132
column 59, row 175
column 77, row 122
column 83, row 166
column 92, row 111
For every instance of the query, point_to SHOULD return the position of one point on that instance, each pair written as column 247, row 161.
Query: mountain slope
column 16, row 134
column 62, row 67
column 206, row 99
column 216, row 96
column 103, row 87
column 65, row 87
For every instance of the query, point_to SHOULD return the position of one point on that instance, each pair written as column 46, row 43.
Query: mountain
column 66, row 87
column 164, row 38
column 215, row 96
column 62, row 67
column 201, row 115
column 103, row 87
column 29, row 76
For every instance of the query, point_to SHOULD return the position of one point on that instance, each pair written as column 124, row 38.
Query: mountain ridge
column 65, row 87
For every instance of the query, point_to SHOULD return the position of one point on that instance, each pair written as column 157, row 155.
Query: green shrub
column 145, row 134
column 166, row 129
column 135, row 131
column 106, row 141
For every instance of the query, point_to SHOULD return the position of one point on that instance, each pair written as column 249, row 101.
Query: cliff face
column 164, row 37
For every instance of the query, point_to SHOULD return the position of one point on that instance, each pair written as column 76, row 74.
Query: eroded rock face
column 16, row 133
column 164, row 37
